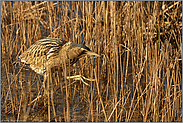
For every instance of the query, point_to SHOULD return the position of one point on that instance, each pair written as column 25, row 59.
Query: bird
column 52, row 53
column 49, row 54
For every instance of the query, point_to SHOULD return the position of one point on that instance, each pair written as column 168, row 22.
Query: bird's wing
column 37, row 54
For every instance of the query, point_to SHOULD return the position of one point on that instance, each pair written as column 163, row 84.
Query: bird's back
column 40, row 52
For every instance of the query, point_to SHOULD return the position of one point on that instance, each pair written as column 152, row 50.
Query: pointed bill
column 92, row 53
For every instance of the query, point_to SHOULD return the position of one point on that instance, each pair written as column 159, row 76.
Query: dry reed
column 137, row 78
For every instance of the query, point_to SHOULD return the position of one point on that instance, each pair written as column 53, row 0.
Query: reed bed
column 137, row 78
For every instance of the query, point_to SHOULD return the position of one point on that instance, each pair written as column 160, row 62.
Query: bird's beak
column 92, row 53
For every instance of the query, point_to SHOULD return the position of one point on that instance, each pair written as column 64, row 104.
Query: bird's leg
column 44, row 84
column 80, row 77
column 40, row 95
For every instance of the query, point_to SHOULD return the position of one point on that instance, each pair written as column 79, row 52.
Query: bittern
column 51, row 53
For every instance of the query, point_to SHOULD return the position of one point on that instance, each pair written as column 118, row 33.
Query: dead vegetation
column 138, row 76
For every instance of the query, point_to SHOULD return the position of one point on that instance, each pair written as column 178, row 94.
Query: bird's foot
column 80, row 77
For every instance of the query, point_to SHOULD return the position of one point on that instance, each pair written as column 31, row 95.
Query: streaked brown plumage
column 53, row 53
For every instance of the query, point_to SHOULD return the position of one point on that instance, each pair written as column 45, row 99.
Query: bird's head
column 79, row 50
column 86, row 51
